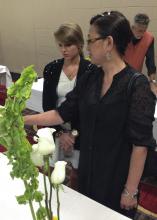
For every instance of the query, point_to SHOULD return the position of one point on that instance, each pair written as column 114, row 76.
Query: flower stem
column 46, row 196
column 30, row 203
column 50, row 195
column 58, row 202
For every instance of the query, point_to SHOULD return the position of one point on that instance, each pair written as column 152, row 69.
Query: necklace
column 70, row 76
column 70, row 70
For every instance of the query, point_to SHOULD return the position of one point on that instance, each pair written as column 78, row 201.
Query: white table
column 74, row 206
column 5, row 76
column 35, row 101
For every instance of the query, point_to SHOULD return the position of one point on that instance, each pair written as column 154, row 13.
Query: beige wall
column 26, row 27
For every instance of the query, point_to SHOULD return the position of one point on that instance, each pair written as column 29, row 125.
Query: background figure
column 142, row 47
column 60, row 77
column 116, row 130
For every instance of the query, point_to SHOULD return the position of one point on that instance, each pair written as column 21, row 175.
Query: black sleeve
column 141, row 114
column 70, row 107
column 47, row 96
column 150, row 59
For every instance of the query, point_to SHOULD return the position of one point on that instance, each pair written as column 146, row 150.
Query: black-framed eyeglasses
column 89, row 41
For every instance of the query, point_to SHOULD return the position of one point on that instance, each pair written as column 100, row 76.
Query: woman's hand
column 66, row 141
column 153, row 86
column 128, row 202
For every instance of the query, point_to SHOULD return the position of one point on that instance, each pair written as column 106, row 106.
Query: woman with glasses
column 60, row 77
column 115, row 129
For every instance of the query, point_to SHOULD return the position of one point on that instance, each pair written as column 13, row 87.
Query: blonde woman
column 60, row 77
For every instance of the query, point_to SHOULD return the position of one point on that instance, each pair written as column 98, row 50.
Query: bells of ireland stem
column 2, row 111
column 45, row 140
column 58, row 174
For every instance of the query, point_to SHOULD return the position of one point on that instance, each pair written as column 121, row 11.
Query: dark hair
column 70, row 33
column 142, row 19
column 116, row 25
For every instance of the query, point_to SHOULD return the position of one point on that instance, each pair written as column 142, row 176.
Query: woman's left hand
column 127, row 202
column 153, row 87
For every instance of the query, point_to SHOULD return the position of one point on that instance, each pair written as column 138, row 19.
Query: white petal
column 45, row 146
column 45, row 132
column 37, row 159
column 35, row 138
column 34, row 147
column 58, row 174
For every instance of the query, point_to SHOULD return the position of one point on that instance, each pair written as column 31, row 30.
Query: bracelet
column 153, row 81
column 59, row 133
column 128, row 194
column 75, row 133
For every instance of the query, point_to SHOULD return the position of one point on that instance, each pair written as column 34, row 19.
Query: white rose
column 45, row 146
column 46, row 133
column 58, row 174
column 36, row 157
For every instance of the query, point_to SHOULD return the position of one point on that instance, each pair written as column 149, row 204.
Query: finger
column 127, row 208
column 68, row 144
column 68, row 140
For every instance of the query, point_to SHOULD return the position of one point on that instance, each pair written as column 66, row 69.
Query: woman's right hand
column 66, row 141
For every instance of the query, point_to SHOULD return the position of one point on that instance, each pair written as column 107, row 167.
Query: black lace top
column 110, row 126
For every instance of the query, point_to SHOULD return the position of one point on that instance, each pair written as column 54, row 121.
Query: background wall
column 26, row 27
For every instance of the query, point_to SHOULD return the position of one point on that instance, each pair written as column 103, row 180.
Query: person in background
column 141, row 48
column 60, row 77
column 115, row 131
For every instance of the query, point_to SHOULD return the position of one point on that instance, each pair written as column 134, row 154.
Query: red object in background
column 3, row 94
column 148, row 197
column 2, row 149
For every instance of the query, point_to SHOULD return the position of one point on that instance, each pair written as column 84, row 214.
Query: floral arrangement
column 25, row 158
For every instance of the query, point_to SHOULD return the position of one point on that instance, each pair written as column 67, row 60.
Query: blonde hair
column 70, row 33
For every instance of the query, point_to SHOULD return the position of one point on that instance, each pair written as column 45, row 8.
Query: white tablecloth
column 35, row 101
column 5, row 76
column 74, row 206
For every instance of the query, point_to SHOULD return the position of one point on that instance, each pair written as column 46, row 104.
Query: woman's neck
column 111, row 68
column 74, row 61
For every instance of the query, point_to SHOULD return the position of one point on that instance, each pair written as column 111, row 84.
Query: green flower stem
column 30, row 203
column 46, row 196
column 50, row 195
column 58, row 202
column 13, row 136
column 50, row 199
